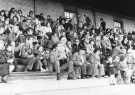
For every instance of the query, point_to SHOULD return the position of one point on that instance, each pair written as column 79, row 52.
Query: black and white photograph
column 67, row 47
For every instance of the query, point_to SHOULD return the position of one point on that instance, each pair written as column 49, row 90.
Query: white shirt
column 48, row 29
column 45, row 30
column 62, row 51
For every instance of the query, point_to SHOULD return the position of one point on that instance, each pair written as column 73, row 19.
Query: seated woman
column 96, row 69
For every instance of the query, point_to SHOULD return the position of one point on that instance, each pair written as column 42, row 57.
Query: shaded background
column 124, row 7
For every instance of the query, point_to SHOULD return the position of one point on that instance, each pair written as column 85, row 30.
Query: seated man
column 25, row 57
column 58, row 57
column 79, row 64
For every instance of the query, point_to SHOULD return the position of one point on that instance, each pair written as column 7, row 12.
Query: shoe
column 71, row 78
column 83, row 77
column 112, row 84
column 88, row 76
column 3, row 80
column 43, row 70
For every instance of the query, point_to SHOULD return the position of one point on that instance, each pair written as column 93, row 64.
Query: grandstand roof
column 124, row 7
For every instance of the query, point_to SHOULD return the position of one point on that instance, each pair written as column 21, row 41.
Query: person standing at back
column 102, row 24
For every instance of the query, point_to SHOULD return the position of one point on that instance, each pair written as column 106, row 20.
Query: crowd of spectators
column 74, row 45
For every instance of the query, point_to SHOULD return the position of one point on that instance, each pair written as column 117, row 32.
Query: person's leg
column 77, row 72
column 3, row 78
column 122, row 76
column 57, row 69
column 106, row 67
column 38, row 64
column 50, row 67
column 88, row 69
column 4, row 72
column 20, row 61
column 30, row 63
column 83, row 71
column 44, row 63
column 71, row 73
column 101, row 70
column 92, row 70
column 20, row 64
column 95, row 70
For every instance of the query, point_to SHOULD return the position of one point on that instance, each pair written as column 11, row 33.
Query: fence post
column 34, row 6
column 94, row 17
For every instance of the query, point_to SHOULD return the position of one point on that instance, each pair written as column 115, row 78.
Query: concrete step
column 33, row 76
